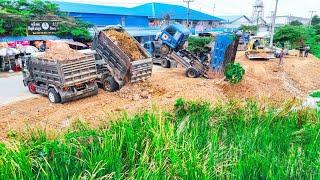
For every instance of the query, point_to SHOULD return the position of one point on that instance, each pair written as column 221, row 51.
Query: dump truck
column 224, row 51
column 154, row 48
column 60, row 80
column 116, row 64
column 172, row 49
column 257, row 49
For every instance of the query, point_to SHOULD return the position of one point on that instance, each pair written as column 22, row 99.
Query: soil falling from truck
column 126, row 43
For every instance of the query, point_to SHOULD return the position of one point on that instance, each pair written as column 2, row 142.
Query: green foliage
column 197, row 141
column 315, row 94
column 2, row 29
column 293, row 34
column 298, row 35
column 23, row 10
column 19, row 30
column 234, row 73
column 296, row 23
column 315, row 20
column 252, row 29
column 317, row 28
column 81, row 32
column 198, row 44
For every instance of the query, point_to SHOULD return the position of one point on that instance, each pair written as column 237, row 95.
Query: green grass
column 318, row 103
column 196, row 141
column 315, row 94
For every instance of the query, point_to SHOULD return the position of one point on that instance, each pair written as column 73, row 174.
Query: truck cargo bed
column 121, row 67
column 64, row 73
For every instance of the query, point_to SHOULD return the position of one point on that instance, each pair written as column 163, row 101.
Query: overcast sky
column 227, row 7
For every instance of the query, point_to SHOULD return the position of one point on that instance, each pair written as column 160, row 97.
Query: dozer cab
column 257, row 49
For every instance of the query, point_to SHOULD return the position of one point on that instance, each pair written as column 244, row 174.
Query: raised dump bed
column 125, row 60
column 61, row 79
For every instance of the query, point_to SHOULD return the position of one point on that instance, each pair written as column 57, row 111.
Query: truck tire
column 32, row 88
column 110, row 84
column 165, row 63
column 192, row 72
column 164, row 49
column 53, row 96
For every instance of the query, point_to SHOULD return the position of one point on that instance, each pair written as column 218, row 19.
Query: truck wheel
column 165, row 63
column 110, row 84
column 164, row 49
column 32, row 88
column 192, row 72
column 53, row 96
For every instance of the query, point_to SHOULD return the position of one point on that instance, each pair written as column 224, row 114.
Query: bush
column 234, row 73
column 315, row 94
column 198, row 44
column 298, row 35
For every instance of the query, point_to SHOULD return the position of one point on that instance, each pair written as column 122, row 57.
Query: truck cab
column 175, row 36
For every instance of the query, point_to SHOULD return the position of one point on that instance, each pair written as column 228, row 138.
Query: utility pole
column 188, row 13
column 214, row 8
column 273, row 23
column 311, row 12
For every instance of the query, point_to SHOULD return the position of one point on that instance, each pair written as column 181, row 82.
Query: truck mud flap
column 141, row 70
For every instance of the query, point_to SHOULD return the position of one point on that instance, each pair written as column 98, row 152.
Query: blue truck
column 168, row 50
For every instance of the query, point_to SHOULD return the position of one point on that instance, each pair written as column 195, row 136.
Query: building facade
column 146, row 15
column 285, row 20
column 235, row 21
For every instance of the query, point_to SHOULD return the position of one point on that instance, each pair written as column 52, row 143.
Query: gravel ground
column 264, row 81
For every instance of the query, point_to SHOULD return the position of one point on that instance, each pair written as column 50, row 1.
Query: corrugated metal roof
column 151, row 10
column 27, row 38
column 94, row 9
column 159, row 10
column 230, row 19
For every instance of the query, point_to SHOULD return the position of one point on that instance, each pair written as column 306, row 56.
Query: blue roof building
column 150, row 14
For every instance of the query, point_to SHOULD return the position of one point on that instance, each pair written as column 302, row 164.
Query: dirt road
column 263, row 80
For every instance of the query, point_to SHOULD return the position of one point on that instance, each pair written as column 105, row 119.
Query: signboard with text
column 42, row 27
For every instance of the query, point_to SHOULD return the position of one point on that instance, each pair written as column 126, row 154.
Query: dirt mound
column 126, row 43
column 142, row 90
column 60, row 52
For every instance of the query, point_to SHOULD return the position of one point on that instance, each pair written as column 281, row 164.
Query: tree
column 296, row 23
column 315, row 20
column 14, row 16
column 317, row 28
column 293, row 34
column 299, row 35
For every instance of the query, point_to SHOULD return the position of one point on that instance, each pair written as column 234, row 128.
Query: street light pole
column 273, row 23
column 188, row 13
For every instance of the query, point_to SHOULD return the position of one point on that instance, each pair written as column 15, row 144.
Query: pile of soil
column 60, row 52
column 142, row 90
column 126, row 43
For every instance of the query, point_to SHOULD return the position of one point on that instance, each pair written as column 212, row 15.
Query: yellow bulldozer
column 257, row 49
